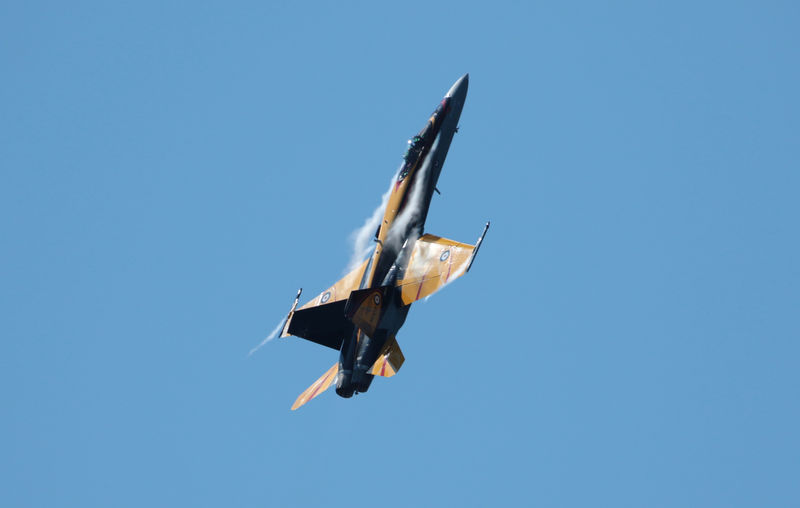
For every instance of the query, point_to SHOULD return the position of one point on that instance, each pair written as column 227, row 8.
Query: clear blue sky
column 173, row 172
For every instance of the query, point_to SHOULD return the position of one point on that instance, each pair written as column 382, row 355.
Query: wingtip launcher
column 285, row 327
column 478, row 245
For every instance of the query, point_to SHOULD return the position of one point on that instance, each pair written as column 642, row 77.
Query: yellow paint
column 341, row 290
column 319, row 386
column 434, row 262
column 368, row 313
column 389, row 361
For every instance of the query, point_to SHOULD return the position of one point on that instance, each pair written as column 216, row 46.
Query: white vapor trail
column 458, row 273
column 413, row 208
column 274, row 333
column 361, row 238
column 362, row 245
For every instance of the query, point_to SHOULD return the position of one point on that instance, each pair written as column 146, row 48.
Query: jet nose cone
column 459, row 88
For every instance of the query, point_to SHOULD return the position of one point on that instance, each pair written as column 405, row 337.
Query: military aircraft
column 360, row 315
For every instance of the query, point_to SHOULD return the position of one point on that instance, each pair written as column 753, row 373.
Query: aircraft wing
column 434, row 262
column 340, row 290
column 322, row 319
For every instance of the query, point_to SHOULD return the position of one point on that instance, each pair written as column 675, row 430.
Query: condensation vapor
column 362, row 246
column 413, row 208
column 458, row 273
column 361, row 238
column 271, row 336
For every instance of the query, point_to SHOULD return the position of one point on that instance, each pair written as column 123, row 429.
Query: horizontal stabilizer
column 319, row 386
column 389, row 361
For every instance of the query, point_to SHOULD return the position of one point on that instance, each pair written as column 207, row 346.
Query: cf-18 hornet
column 360, row 315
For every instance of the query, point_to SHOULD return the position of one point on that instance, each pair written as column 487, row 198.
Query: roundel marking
column 377, row 299
column 445, row 255
column 325, row 297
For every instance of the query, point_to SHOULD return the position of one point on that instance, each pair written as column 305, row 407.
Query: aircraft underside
column 361, row 314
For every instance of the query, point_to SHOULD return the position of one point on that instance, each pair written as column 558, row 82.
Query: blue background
column 173, row 172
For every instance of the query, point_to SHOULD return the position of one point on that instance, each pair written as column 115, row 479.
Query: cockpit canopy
column 413, row 152
column 414, row 147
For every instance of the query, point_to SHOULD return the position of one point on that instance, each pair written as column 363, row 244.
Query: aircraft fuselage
column 403, row 222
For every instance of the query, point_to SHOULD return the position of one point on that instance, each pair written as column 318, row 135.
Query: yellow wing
column 434, row 262
column 340, row 290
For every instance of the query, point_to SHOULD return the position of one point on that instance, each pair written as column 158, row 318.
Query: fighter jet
column 360, row 315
